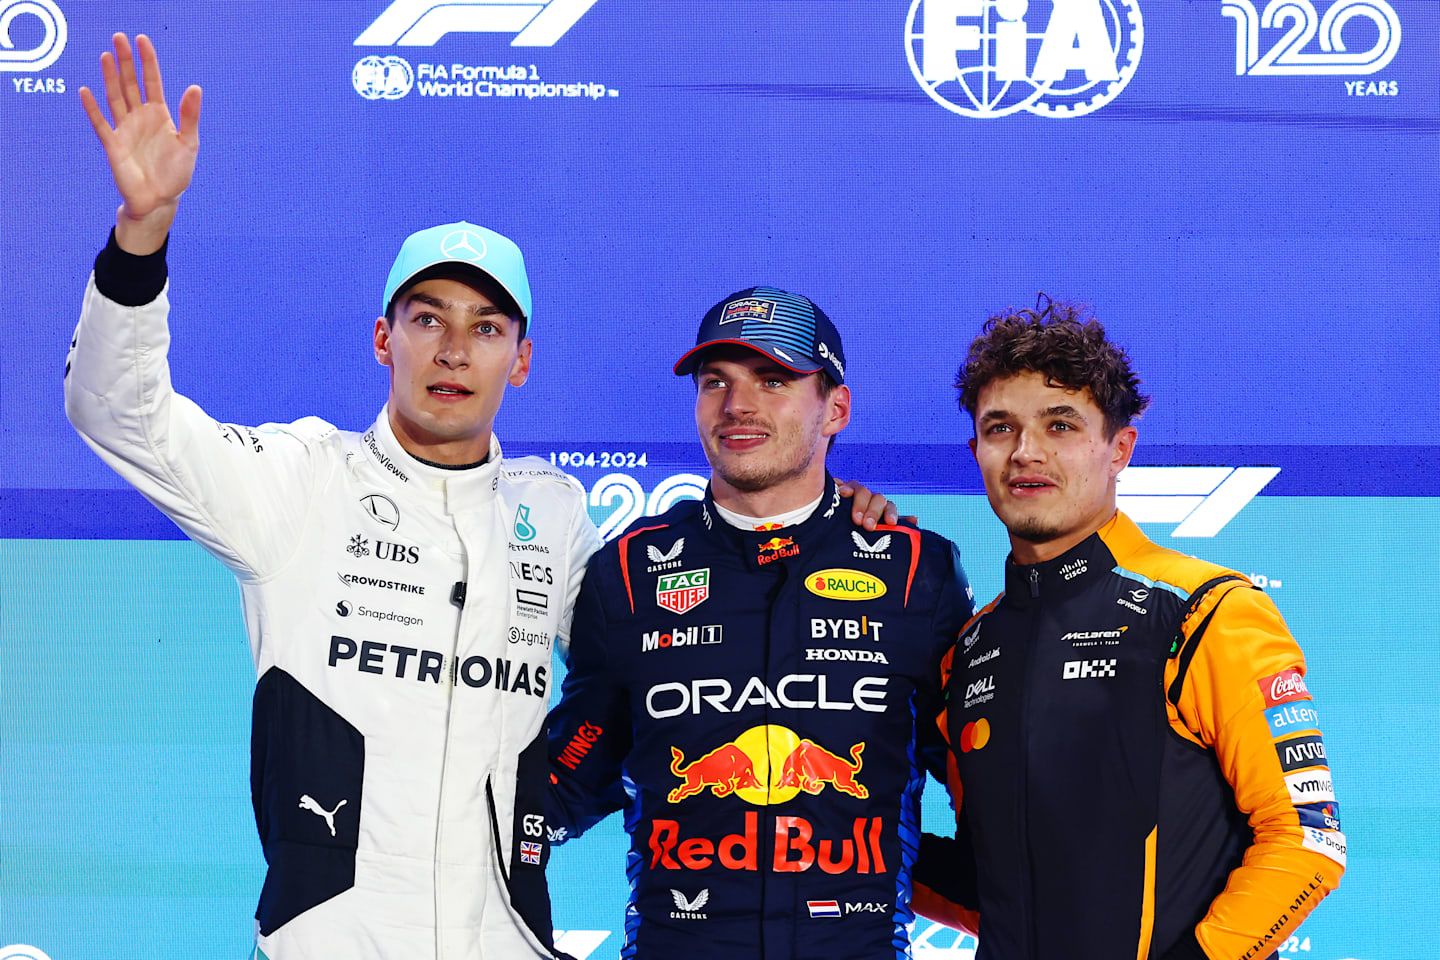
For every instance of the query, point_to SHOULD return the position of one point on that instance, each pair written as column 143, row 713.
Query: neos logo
column 51, row 45
column 382, row 78
column 422, row 23
column 1298, row 18
column 992, row 58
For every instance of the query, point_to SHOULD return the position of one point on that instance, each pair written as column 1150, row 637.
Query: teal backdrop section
column 127, row 830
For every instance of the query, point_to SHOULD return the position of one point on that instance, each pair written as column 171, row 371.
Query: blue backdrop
column 1249, row 195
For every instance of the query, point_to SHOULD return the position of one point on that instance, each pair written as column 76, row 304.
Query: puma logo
column 308, row 802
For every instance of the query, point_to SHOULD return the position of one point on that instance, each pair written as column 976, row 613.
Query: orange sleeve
column 1247, row 663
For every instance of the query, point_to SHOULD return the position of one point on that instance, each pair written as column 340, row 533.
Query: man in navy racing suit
column 754, row 677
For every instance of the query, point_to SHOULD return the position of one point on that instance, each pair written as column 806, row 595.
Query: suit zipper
column 1024, row 769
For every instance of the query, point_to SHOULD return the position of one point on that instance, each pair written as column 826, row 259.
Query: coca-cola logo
column 1284, row 686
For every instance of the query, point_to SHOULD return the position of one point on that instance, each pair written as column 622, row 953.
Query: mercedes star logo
column 463, row 245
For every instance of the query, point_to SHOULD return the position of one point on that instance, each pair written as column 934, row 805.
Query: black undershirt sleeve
column 129, row 280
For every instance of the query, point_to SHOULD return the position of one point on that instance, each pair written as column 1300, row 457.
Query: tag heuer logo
column 684, row 591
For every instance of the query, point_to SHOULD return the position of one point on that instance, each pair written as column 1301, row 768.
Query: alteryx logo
column 993, row 58
column 1200, row 499
column 423, row 23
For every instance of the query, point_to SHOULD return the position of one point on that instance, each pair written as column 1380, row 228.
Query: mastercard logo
column 974, row 735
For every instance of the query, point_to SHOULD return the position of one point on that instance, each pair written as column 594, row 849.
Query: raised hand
column 151, row 160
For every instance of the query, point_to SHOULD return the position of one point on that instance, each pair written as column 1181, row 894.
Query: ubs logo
column 396, row 552
column 993, row 58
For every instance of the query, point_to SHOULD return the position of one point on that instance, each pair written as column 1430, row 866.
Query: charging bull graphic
column 810, row 766
column 724, row 770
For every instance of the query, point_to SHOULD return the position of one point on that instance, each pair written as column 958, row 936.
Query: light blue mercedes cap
column 463, row 244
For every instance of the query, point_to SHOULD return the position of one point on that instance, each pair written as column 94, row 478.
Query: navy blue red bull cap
column 788, row 328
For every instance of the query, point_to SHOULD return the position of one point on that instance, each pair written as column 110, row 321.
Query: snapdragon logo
column 423, row 23
column 52, row 41
column 993, row 58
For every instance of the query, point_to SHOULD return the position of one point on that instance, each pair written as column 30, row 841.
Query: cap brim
column 459, row 267
column 691, row 360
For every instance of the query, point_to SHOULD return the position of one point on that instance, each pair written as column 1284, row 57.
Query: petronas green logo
column 523, row 531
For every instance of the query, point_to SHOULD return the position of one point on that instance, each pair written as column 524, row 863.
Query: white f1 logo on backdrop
column 1200, row 499
column 1286, row 59
column 422, row 23
column 1008, row 65
column 50, row 46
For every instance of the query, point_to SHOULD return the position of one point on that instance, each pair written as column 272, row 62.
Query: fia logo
column 1298, row 18
column 990, row 58
column 51, row 44
column 423, row 23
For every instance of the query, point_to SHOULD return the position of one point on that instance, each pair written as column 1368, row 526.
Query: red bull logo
column 724, row 770
column 767, row 765
column 810, row 767
column 797, row 850
column 777, row 548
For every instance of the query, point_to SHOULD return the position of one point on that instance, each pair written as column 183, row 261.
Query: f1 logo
column 422, row 23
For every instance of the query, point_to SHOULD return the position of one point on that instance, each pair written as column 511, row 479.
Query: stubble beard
column 753, row 477
column 1033, row 530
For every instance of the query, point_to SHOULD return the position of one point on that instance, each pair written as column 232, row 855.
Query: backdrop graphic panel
column 1248, row 193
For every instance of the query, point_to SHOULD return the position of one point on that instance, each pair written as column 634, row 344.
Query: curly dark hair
column 1064, row 342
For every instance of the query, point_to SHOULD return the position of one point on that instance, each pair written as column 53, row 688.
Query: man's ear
column 520, row 369
column 382, row 342
column 837, row 413
column 1123, row 450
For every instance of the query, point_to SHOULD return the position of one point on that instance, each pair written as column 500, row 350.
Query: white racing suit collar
column 456, row 489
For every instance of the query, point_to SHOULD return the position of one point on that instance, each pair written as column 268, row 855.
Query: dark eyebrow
column 1065, row 410
column 990, row 415
column 441, row 304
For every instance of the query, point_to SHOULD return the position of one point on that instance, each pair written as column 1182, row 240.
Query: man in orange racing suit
column 1137, row 767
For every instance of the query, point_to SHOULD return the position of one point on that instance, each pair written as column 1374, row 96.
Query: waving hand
column 151, row 160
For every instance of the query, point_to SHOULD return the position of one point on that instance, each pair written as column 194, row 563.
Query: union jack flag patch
column 529, row 852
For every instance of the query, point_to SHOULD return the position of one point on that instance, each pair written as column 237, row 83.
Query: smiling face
column 1049, row 468
column 764, row 429
column 451, row 351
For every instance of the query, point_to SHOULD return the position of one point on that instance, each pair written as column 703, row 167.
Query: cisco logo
column 993, row 58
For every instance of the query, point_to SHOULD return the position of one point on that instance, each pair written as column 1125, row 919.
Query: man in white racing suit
column 401, row 587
